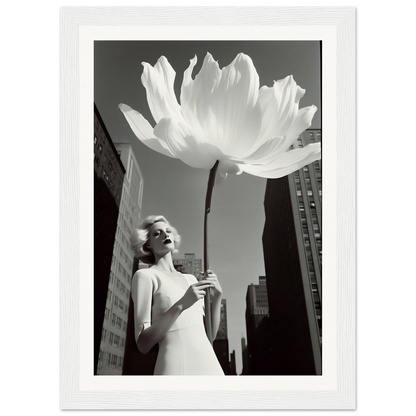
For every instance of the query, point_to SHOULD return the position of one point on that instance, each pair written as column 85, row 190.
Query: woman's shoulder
column 145, row 277
column 145, row 274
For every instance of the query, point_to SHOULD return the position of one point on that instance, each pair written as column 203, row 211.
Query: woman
column 169, row 306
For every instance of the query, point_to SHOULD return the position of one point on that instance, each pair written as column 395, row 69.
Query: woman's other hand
column 211, row 277
column 195, row 292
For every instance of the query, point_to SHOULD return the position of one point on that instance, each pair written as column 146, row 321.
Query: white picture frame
column 337, row 387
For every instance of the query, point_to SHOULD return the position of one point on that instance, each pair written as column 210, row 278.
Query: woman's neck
column 165, row 263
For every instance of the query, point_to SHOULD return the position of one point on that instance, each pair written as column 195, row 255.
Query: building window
column 113, row 360
column 100, row 359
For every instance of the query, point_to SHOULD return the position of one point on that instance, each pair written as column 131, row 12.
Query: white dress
column 185, row 350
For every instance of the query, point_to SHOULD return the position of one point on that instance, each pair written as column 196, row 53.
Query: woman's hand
column 195, row 292
column 210, row 276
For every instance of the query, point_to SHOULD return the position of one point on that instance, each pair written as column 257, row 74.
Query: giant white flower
column 224, row 116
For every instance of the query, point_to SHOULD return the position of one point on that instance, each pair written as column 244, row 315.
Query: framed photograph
column 282, row 228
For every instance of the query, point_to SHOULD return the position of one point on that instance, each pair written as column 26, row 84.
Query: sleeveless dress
column 185, row 350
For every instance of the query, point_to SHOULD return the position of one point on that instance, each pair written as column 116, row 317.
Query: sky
column 176, row 190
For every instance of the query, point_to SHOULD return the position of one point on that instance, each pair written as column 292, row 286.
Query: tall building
column 292, row 246
column 189, row 265
column 257, row 304
column 233, row 367
column 114, row 327
column 244, row 353
column 257, row 310
column 220, row 343
column 222, row 329
column 108, row 185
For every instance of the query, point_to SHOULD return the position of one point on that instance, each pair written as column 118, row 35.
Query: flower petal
column 279, row 106
column 271, row 149
column 234, row 114
column 195, row 95
column 263, row 154
column 287, row 162
column 143, row 130
column 182, row 144
column 302, row 122
column 158, row 81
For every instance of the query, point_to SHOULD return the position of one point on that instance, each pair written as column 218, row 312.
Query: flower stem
column 207, row 300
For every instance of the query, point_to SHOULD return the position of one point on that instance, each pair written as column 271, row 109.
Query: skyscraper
column 108, row 182
column 222, row 329
column 257, row 304
column 257, row 311
column 244, row 356
column 292, row 246
column 220, row 344
column 114, row 329
column 233, row 367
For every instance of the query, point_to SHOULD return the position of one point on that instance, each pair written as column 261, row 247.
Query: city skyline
column 176, row 190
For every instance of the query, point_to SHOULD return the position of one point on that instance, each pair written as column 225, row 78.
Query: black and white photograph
column 208, row 232
column 208, row 208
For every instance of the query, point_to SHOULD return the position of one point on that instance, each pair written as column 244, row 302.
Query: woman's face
column 161, row 238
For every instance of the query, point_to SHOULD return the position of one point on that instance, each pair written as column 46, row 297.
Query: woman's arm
column 158, row 329
column 153, row 333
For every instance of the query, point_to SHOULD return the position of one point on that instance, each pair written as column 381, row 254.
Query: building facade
column 108, row 186
column 220, row 344
column 293, row 264
column 257, row 311
column 233, row 366
column 244, row 357
column 189, row 265
column 257, row 304
column 222, row 328
column 114, row 327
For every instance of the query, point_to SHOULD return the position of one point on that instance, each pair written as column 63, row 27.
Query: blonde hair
column 140, row 236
